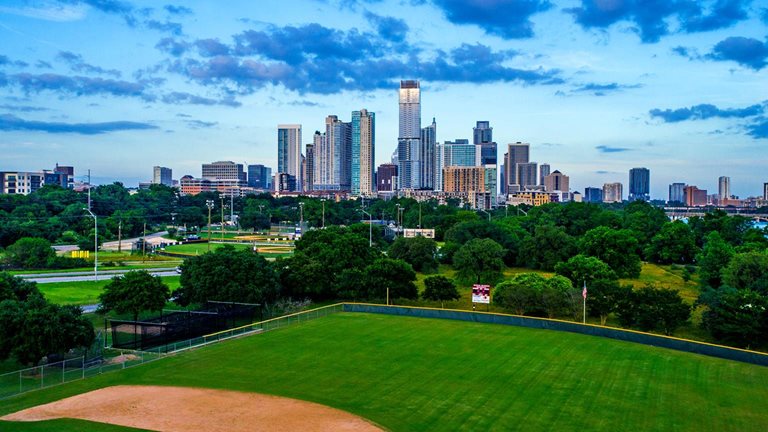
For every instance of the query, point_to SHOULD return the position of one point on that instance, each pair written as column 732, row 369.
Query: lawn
column 271, row 251
column 411, row 374
column 85, row 292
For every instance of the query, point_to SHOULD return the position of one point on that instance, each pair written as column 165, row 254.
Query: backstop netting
column 174, row 326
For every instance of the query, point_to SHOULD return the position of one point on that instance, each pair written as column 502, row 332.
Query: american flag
column 584, row 291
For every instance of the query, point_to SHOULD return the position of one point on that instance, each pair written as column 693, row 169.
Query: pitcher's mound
column 193, row 409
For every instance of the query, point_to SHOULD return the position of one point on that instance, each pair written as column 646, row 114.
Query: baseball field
column 411, row 374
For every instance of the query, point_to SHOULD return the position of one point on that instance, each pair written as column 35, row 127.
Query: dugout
column 174, row 326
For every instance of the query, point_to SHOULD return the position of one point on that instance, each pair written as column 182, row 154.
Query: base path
column 193, row 409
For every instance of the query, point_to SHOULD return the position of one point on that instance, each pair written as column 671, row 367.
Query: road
column 124, row 244
column 80, row 277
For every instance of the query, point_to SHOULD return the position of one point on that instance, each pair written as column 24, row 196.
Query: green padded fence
column 690, row 346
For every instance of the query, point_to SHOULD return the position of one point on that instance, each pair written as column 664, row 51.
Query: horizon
column 596, row 88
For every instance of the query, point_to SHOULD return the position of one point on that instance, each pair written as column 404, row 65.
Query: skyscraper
column 526, row 175
column 765, row 191
column 677, row 193
column 482, row 132
column 454, row 153
column 556, row 181
column 516, row 154
column 224, row 170
column 333, row 156
column 639, row 184
column 258, row 177
column 593, row 195
column 613, row 192
column 363, row 149
column 162, row 175
column 724, row 188
column 428, row 155
column 309, row 167
column 409, row 137
column 386, row 178
column 289, row 151
column 543, row 172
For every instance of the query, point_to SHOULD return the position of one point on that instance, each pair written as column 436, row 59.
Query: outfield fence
column 52, row 374
column 686, row 345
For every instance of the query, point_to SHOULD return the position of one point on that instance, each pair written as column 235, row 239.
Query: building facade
column 527, row 175
column 677, row 193
column 386, row 178
column 556, row 182
column 593, row 195
column 639, row 184
column 517, row 153
column 289, row 151
column 694, row 197
column 258, row 177
column 409, row 136
column 363, row 151
column 309, row 168
column 162, row 175
column 723, row 188
column 544, row 170
column 428, row 156
column 25, row 183
column 613, row 192
column 224, row 170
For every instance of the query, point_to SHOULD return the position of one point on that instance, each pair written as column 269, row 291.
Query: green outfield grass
column 85, row 292
column 193, row 249
column 411, row 374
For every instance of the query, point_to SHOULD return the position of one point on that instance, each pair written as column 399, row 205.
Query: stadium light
column 95, row 244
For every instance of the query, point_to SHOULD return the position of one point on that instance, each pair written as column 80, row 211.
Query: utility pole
column 144, row 244
column 120, row 236
column 222, row 218
column 232, row 207
column 370, row 228
column 95, row 243
column 322, row 200
column 301, row 217
column 209, row 204
column 419, row 214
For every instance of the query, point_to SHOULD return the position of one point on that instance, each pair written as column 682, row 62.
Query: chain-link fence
column 52, row 374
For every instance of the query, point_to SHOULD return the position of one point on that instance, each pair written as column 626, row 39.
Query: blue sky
column 596, row 86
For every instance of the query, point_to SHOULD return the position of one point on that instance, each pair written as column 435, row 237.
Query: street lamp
column 489, row 215
column 209, row 204
column 370, row 228
column 95, row 244
column 401, row 210
column 322, row 200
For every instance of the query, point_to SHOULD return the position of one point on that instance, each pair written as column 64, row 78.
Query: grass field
column 85, row 292
column 201, row 248
column 411, row 374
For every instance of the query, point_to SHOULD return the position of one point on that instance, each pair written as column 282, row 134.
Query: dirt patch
column 122, row 358
column 192, row 409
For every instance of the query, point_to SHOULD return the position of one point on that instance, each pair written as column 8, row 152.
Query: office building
column 258, row 177
column 224, row 170
column 694, row 197
column 454, row 153
column 517, row 153
column 556, row 182
column 162, row 175
column 285, row 182
column 428, row 156
column 362, row 154
column 333, row 156
column 613, row 192
column 25, row 183
column 765, row 191
column 469, row 183
column 723, row 188
column 409, row 137
column 527, row 175
column 386, row 178
column 593, row 195
column 544, row 170
column 309, row 168
column 639, row 184
column 483, row 137
column 289, row 151
column 68, row 171
column 677, row 193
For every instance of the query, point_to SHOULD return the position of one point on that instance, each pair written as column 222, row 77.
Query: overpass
column 675, row 213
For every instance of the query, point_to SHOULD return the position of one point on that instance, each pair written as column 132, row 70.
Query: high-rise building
column 543, row 172
column 428, row 156
column 258, row 177
column 482, row 133
column 333, row 156
column 289, row 151
column 454, row 153
column 309, row 167
column 526, row 175
column 224, row 170
column 677, row 193
column 556, row 181
column 363, row 150
column 162, row 175
column 516, row 154
column 613, row 192
column 386, row 178
column 639, row 184
column 723, row 188
column 694, row 197
column 765, row 191
column 409, row 137
column 593, row 195
column 469, row 182
column 285, row 182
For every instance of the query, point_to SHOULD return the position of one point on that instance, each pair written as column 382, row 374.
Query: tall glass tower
column 363, row 150
column 409, row 137
column 289, row 151
column 639, row 184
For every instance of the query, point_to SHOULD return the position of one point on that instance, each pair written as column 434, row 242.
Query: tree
column 617, row 248
column 674, row 243
column 30, row 253
column 738, row 317
column 419, row 252
column 479, row 260
column 713, row 258
column 582, row 269
column 134, row 292
column 555, row 295
column 651, row 308
column 389, row 275
column 227, row 275
column 521, row 294
column 440, row 288
column 604, row 297
column 548, row 246
column 748, row 271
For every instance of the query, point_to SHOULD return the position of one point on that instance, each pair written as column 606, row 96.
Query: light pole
column 95, row 244
column 489, row 215
column 397, row 217
column 322, row 200
column 301, row 217
column 209, row 204
column 402, row 209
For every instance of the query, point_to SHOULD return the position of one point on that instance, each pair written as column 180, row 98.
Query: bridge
column 675, row 213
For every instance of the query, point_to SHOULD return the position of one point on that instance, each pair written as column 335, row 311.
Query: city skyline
column 595, row 92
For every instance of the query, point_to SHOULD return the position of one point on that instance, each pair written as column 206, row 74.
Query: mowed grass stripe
column 412, row 374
